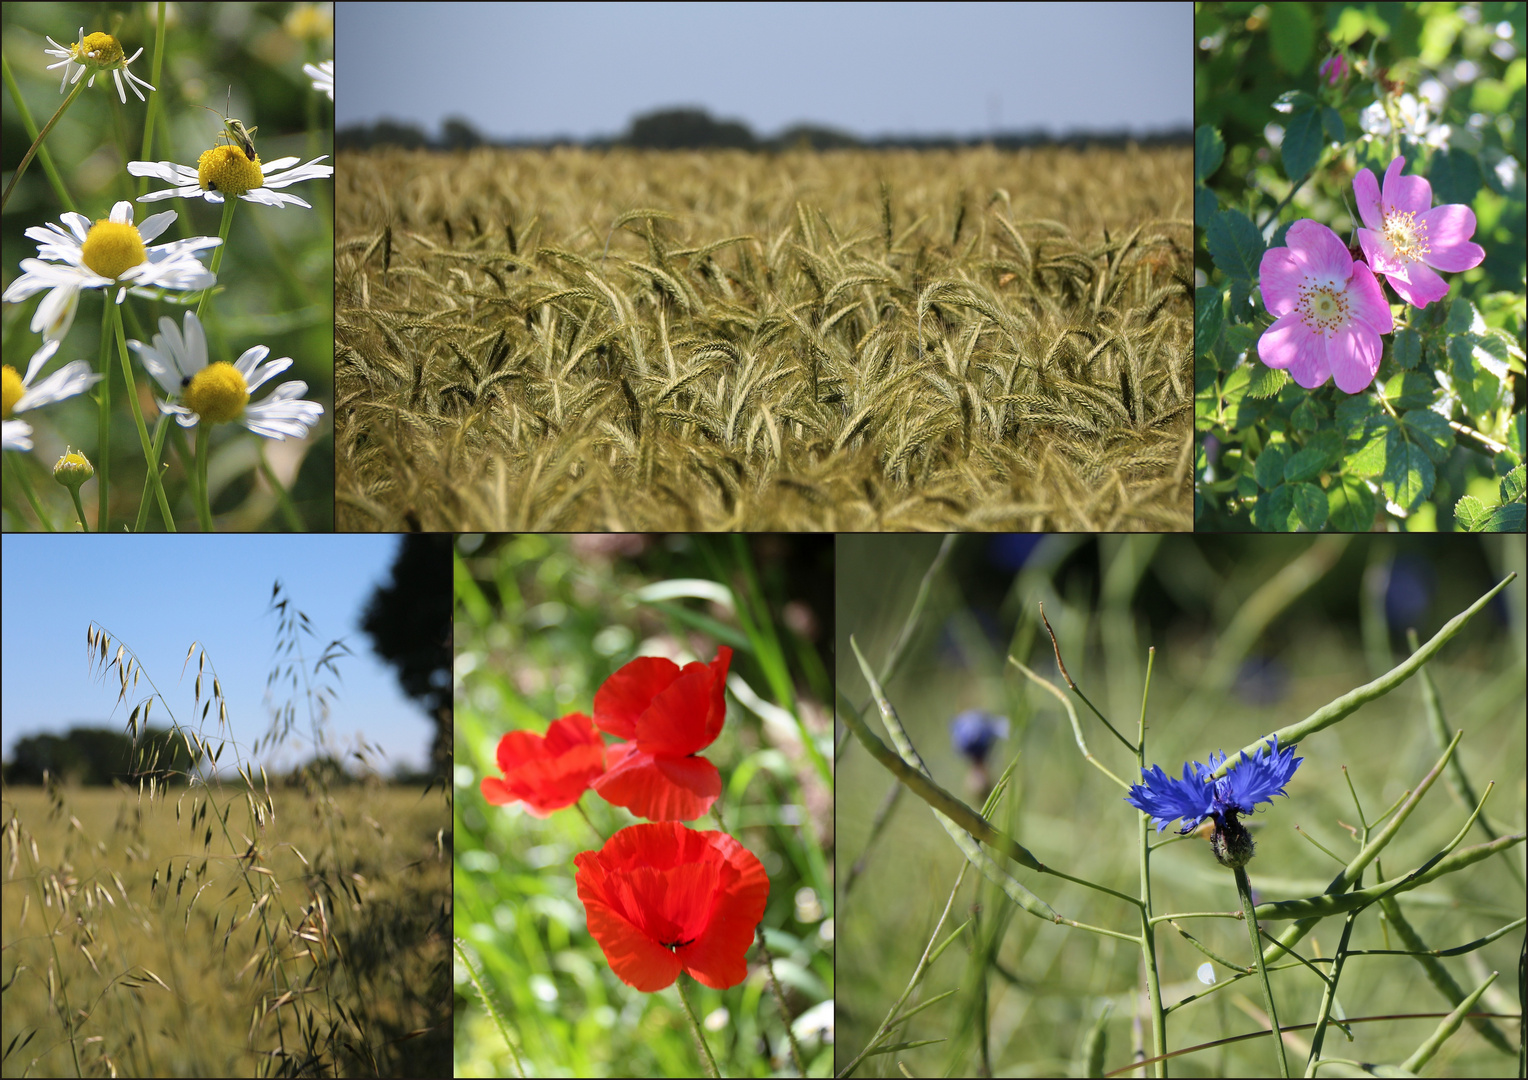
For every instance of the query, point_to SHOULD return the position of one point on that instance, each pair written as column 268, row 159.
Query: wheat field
column 855, row 340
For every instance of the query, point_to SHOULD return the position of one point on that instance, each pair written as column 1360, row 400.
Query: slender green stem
column 1244, row 890
column 79, row 509
column 695, row 1029
column 203, row 499
column 103, row 434
column 283, row 497
column 774, row 986
column 18, row 470
column 41, row 135
column 472, row 973
column 143, row 431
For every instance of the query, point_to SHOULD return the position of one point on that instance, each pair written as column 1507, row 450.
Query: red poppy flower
column 667, row 714
column 663, row 897
column 547, row 773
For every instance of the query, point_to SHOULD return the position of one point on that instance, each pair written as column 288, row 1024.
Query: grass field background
column 621, row 340
column 138, row 942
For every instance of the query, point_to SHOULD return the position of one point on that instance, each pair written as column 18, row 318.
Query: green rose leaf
column 1352, row 505
column 1321, row 451
column 1209, row 151
column 1302, row 144
column 1408, row 348
column 1311, row 506
column 1409, row 473
column 1470, row 514
column 1207, row 318
column 1410, row 390
column 1235, row 244
column 1431, row 433
column 1269, row 470
column 1275, row 510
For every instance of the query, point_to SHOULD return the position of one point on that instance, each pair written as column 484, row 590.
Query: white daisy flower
column 109, row 252
column 322, row 76
column 219, row 393
column 20, row 394
column 95, row 54
column 226, row 170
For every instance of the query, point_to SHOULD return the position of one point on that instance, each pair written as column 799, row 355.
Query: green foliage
column 740, row 341
column 1428, row 444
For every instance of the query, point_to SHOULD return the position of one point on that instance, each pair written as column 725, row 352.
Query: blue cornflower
column 1196, row 796
column 973, row 732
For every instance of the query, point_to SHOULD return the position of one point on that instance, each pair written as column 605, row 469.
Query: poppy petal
column 624, row 697
column 658, row 788
column 547, row 772
column 663, row 896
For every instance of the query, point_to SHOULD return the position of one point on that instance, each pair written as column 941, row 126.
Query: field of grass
column 140, row 942
column 634, row 340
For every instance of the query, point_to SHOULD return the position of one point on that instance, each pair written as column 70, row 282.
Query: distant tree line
column 97, row 757
column 696, row 129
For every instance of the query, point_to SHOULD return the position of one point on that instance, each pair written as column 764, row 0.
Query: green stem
column 689, row 1010
column 37, row 142
column 143, row 431
column 203, row 500
column 18, row 469
column 103, row 435
column 1244, row 890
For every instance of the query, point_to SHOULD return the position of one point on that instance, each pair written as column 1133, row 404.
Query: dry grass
column 224, row 929
column 629, row 340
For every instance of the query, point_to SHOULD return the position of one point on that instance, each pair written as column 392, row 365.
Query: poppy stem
column 774, row 986
column 1244, row 890
column 705, row 1051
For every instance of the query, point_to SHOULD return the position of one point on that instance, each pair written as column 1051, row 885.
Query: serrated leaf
column 1268, row 471
column 1409, row 474
column 1234, row 244
column 1464, row 318
column 1208, row 317
column 1352, row 506
column 1511, row 486
column 1470, row 514
column 1319, row 452
column 1331, row 122
column 1209, row 151
column 1408, row 348
column 1310, row 506
column 1410, row 390
column 1301, row 148
column 1266, row 381
column 1508, row 518
column 1275, row 510
column 1205, row 203
column 1476, row 386
column 1431, row 433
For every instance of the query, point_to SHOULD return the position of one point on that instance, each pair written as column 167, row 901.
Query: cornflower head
column 1406, row 236
column 1198, row 796
column 1329, row 311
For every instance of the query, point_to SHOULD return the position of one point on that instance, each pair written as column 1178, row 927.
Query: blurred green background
column 277, row 276
column 541, row 621
column 1251, row 633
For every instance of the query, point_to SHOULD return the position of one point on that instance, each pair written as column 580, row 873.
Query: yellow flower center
column 112, row 248
column 310, row 21
column 100, row 49
column 1406, row 235
column 11, row 389
column 225, row 168
column 217, row 394
column 1324, row 306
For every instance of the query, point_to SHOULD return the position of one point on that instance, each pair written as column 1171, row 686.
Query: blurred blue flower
column 1196, row 796
column 973, row 732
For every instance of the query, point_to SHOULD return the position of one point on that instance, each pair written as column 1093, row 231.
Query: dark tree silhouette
column 687, row 129
column 95, row 756
column 409, row 623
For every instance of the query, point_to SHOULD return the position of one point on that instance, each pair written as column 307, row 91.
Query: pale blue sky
column 524, row 71
column 157, row 594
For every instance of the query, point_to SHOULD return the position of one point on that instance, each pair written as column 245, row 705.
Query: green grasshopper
column 236, row 133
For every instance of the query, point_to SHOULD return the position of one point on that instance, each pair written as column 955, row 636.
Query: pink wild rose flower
column 1407, row 237
column 1329, row 311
